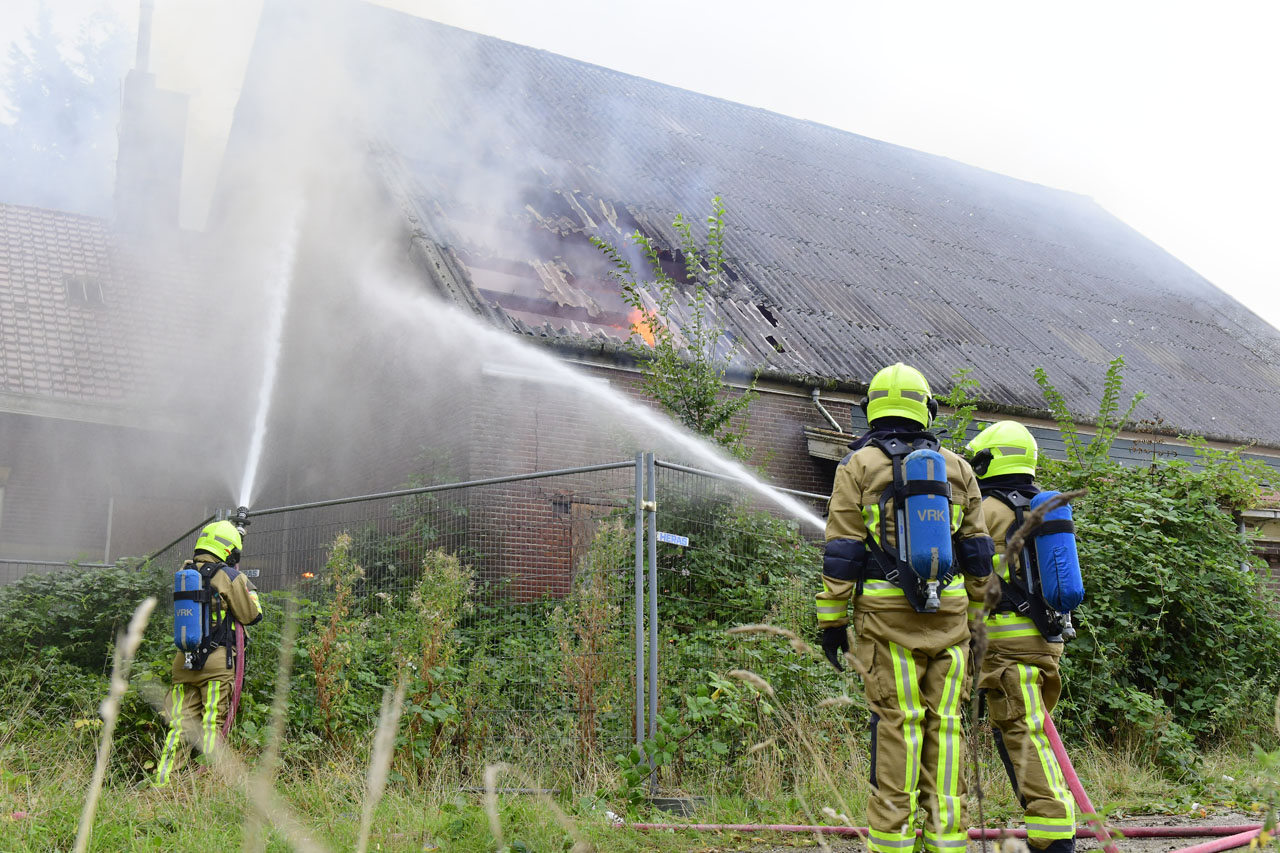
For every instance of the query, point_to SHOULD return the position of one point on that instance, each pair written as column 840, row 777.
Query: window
column 84, row 290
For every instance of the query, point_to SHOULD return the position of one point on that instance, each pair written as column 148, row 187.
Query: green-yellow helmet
column 900, row 391
column 220, row 539
column 1005, row 447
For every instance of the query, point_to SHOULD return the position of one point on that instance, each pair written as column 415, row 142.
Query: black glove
column 835, row 641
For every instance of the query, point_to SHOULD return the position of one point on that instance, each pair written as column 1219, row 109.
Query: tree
column 953, row 427
column 58, row 140
column 685, row 364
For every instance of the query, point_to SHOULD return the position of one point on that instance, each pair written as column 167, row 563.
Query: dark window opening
column 84, row 290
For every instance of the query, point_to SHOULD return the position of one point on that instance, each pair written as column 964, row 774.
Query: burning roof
column 846, row 253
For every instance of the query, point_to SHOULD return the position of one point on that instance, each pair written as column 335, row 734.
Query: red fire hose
column 1077, row 790
column 237, row 685
column 1229, row 843
column 1235, row 830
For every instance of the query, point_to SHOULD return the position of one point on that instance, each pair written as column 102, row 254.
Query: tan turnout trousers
column 917, row 665
column 1020, row 675
column 196, row 707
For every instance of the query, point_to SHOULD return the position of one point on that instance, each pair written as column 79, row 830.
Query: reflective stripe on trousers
column 173, row 739
column 193, row 714
column 209, row 724
column 944, row 809
column 1042, row 826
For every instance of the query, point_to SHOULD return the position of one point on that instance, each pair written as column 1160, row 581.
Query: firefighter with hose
column 213, row 601
column 1025, row 635
column 905, row 522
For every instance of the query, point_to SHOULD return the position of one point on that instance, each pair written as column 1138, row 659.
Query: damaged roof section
column 535, row 265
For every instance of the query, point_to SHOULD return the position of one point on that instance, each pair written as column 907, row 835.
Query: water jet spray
column 283, row 276
column 555, row 372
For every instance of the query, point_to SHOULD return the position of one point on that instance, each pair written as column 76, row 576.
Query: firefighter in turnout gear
column 202, row 679
column 913, row 646
column 1019, row 674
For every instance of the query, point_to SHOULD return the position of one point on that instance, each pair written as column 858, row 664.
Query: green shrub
column 592, row 639
column 1177, row 638
column 1174, row 634
column 78, row 612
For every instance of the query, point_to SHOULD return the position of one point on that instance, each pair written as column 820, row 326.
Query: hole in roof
column 773, row 342
column 768, row 315
column 539, row 265
column 673, row 264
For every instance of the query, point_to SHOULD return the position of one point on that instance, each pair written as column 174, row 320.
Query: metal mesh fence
column 12, row 570
column 561, row 616
column 546, row 637
column 726, row 556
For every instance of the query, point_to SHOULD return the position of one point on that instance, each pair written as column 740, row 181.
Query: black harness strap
column 1018, row 595
column 1061, row 525
column 927, row 487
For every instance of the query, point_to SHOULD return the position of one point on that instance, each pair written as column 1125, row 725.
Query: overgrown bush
column 330, row 650
column 1177, row 638
column 57, row 633
column 351, row 651
column 77, row 612
column 592, row 639
column 427, row 629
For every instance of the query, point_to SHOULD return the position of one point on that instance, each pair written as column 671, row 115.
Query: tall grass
column 384, row 741
column 325, row 794
column 254, row 835
column 126, row 648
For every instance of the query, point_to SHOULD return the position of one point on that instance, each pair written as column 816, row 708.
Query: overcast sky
column 1164, row 112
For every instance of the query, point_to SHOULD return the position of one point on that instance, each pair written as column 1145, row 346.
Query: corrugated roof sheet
column 863, row 252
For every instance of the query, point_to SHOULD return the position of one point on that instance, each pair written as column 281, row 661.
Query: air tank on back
column 927, row 520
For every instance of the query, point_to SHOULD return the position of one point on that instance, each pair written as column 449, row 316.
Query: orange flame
column 308, row 575
column 642, row 323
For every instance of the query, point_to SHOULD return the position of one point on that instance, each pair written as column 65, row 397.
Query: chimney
column 143, row 59
column 153, row 128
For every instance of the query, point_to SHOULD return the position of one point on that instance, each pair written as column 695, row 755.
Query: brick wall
column 519, row 426
column 53, row 506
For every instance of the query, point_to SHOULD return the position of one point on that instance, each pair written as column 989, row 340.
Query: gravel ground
column 745, row 842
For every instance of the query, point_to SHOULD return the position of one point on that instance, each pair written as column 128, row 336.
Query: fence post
column 651, row 510
column 639, row 604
